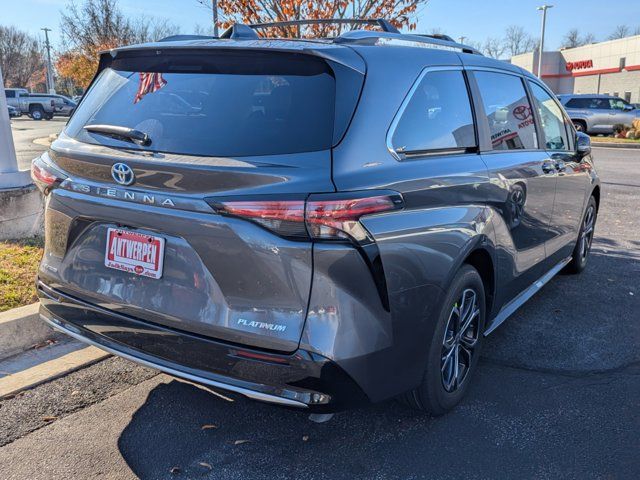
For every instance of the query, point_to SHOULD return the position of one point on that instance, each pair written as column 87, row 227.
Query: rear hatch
column 220, row 126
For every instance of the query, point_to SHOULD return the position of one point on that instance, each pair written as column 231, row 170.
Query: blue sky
column 474, row 19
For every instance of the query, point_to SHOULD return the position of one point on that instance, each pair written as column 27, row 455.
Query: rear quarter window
column 437, row 116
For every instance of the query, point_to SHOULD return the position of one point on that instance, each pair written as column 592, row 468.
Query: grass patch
column 19, row 261
column 613, row 140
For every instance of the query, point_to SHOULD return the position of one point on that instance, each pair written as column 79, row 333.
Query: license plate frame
column 133, row 252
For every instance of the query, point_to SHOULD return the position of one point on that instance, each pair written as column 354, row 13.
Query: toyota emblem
column 122, row 174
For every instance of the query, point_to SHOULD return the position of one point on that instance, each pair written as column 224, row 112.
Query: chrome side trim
column 517, row 302
column 263, row 397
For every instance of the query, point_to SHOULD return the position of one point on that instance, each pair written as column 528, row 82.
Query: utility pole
column 462, row 39
column 544, row 9
column 214, row 7
column 50, row 85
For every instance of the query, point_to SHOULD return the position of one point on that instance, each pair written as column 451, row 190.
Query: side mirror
column 628, row 108
column 583, row 144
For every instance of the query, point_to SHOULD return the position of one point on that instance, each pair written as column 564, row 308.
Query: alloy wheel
column 460, row 339
column 586, row 236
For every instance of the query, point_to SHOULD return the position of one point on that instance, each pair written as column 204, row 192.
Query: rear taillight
column 44, row 175
column 320, row 217
column 285, row 217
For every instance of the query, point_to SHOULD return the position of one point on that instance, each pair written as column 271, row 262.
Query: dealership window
column 616, row 94
column 438, row 116
column 627, row 97
column 508, row 111
column 623, row 62
column 554, row 127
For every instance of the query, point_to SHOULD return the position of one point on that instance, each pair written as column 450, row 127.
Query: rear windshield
column 227, row 106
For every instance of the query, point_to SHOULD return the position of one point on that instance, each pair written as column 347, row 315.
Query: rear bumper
column 300, row 380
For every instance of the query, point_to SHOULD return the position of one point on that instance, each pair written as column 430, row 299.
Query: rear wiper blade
column 121, row 133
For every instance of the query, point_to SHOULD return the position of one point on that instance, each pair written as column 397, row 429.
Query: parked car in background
column 38, row 108
column 598, row 113
column 64, row 105
column 13, row 112
column 201, row 221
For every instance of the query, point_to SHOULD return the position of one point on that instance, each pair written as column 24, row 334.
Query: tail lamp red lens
column 43, row 175
column 321, row 217
column 40, row 174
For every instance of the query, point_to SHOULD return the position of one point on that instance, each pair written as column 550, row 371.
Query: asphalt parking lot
column 25, row 131
column 556, row 396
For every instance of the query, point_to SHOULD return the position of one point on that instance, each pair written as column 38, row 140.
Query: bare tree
column 517, row 41
column 573, row 39
column 620, row 31
column 100, row 23
column 493, row 47
column 21, row 58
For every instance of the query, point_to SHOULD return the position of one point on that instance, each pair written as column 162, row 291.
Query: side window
column 599, row 104
column 10, row 93
column 552, row 119
column 438, row 116
column 579, row 103
column 508, row 111
column 617, row 103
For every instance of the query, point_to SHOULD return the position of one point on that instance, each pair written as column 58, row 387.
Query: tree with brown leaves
column 401, row 13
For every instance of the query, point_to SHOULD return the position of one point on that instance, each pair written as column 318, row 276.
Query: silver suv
column 598, row 113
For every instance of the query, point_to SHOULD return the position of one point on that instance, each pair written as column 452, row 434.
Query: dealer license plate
column 134, row 252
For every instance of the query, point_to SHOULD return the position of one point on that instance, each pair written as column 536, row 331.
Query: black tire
column 580, row 126
column 48, row 116
column 437, row 394
column 581, row 251
column 36, row 113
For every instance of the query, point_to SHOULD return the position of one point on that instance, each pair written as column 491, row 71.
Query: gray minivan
column 315, row 223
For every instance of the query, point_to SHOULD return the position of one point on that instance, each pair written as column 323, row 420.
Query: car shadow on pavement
column 535, row 396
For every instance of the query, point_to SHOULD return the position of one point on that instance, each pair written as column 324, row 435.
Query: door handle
column 548, row 166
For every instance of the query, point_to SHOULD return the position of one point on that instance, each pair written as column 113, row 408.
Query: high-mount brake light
column 321, row 217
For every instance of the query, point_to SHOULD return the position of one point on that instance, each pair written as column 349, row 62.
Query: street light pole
column 544, row 9
column 214, row 6
column 50, row 85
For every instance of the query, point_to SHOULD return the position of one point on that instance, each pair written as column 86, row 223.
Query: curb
column 631, row 146
column 21, row 329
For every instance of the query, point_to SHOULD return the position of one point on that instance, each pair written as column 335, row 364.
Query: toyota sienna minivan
column 315, row 223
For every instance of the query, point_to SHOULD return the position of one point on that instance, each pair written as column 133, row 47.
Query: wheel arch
column 483, row 262
column 595, row 193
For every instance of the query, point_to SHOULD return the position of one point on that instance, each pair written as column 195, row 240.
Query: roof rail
column 384, row 25
column 363, row 37
column 178, row 38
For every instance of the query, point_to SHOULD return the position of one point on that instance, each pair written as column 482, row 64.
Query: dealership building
column 611, row 68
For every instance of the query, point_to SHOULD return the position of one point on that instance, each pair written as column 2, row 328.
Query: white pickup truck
column 37, row 107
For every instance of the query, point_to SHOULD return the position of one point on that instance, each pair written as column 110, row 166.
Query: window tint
column 273, row 110
column 438, row 115
column 10, row 93
column 618, row 103
column 508, row 111
column 579, row 103
column 552, row 119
